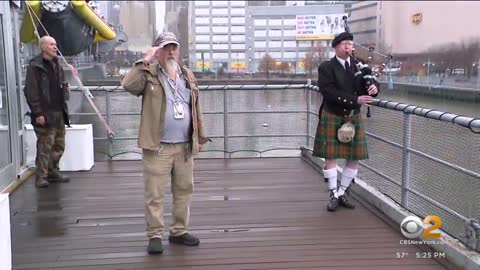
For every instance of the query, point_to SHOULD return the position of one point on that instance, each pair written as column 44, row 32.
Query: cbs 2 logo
column 413, row 227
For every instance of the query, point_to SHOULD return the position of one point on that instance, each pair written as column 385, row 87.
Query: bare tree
column 314, row 57
column 454, row 56
column 266, row 64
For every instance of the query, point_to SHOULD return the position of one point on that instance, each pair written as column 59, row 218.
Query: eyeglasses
column 345, row 42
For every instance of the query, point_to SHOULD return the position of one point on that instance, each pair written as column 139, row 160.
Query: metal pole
column 225, row 122
column 309, row 102
column 108, row 116
column 478, row 74
column 428, row 72
column 407, row 137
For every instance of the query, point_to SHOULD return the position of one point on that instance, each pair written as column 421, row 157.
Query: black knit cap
column 341, row 37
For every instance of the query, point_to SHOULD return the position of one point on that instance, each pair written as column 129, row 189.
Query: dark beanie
column 341, row 37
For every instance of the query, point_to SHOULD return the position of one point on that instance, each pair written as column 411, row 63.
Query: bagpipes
column 366, row 75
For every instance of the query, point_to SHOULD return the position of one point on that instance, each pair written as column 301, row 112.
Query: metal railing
column 428, row 161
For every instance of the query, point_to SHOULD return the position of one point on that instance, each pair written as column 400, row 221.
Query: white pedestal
column 5, row 242
column 78, row 155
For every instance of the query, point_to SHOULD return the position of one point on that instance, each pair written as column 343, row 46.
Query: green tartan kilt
column 329, row 147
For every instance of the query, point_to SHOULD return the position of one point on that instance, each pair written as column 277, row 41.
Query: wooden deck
column 248, row 213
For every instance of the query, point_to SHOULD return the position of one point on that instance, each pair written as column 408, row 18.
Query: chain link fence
column 428, row 161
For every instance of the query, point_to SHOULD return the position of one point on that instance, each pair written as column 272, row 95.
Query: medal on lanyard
column 178, row 112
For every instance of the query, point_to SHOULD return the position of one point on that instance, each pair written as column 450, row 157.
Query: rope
column 86, row 92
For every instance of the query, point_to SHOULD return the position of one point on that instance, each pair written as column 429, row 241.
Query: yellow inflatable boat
column 74, row 24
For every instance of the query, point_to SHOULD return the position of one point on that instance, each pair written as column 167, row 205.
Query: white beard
column 171, row 66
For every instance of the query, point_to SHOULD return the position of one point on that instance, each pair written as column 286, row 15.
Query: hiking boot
column 41, row 182
column 184, row 239
column 58, row 178
column 155, row 246
column 345, row 203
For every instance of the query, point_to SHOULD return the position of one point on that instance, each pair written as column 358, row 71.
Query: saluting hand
column 150, row 54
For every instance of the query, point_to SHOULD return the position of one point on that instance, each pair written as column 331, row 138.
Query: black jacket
column 339, row 88
column 37, row 90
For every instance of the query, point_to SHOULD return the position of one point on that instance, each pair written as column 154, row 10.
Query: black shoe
column 41, row 182
column 184, row 239
column 155, row 246
column 333, row 204
column 345, row 203
column 58, row 178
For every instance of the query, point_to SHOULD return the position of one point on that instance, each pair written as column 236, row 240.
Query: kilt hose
column 329, row 147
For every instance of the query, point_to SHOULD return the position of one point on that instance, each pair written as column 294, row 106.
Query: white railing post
column 407, row 137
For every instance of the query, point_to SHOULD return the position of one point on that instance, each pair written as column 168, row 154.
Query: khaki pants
column 172, row 162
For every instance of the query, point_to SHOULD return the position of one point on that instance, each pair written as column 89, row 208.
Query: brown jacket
column 145, row 80
column 37, row 90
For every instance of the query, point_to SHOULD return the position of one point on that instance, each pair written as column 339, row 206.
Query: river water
column 466, row 108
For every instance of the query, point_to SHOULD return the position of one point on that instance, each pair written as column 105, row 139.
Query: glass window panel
column 220, row 11
column 204, row 38
column 260, row 44
column 275, row 22
column 260, row 33
column 201, row 3
column 290, row 22
column 238, row 20
column 237, row 38
column 5, row 139
column 220, row 29
column 238, row 29
column 202, row 11
column 206, row 56
column 220, row 38
column 203, row 29
column 238, row 46
column 274, row 33
column 237, row 11
column 260, row 22
column 274, row 44
column 220, row 20
column 203, row 46
column 289, row 44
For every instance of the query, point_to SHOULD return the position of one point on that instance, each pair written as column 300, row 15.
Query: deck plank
column 249, row 214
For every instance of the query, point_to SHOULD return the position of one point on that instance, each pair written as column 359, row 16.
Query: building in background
column 413, row 27
column 254, row 3
column 236, row 35
column 217, row 35
column 113, row 11
column 294, row 38
column 176, row 21
column 363, row 21
column 137, row 20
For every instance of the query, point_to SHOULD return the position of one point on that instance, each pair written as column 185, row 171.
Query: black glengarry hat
column 341, row 37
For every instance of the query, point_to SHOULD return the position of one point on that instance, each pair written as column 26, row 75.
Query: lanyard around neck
column 173, row 87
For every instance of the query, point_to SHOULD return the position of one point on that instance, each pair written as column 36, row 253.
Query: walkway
column 249, row 213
